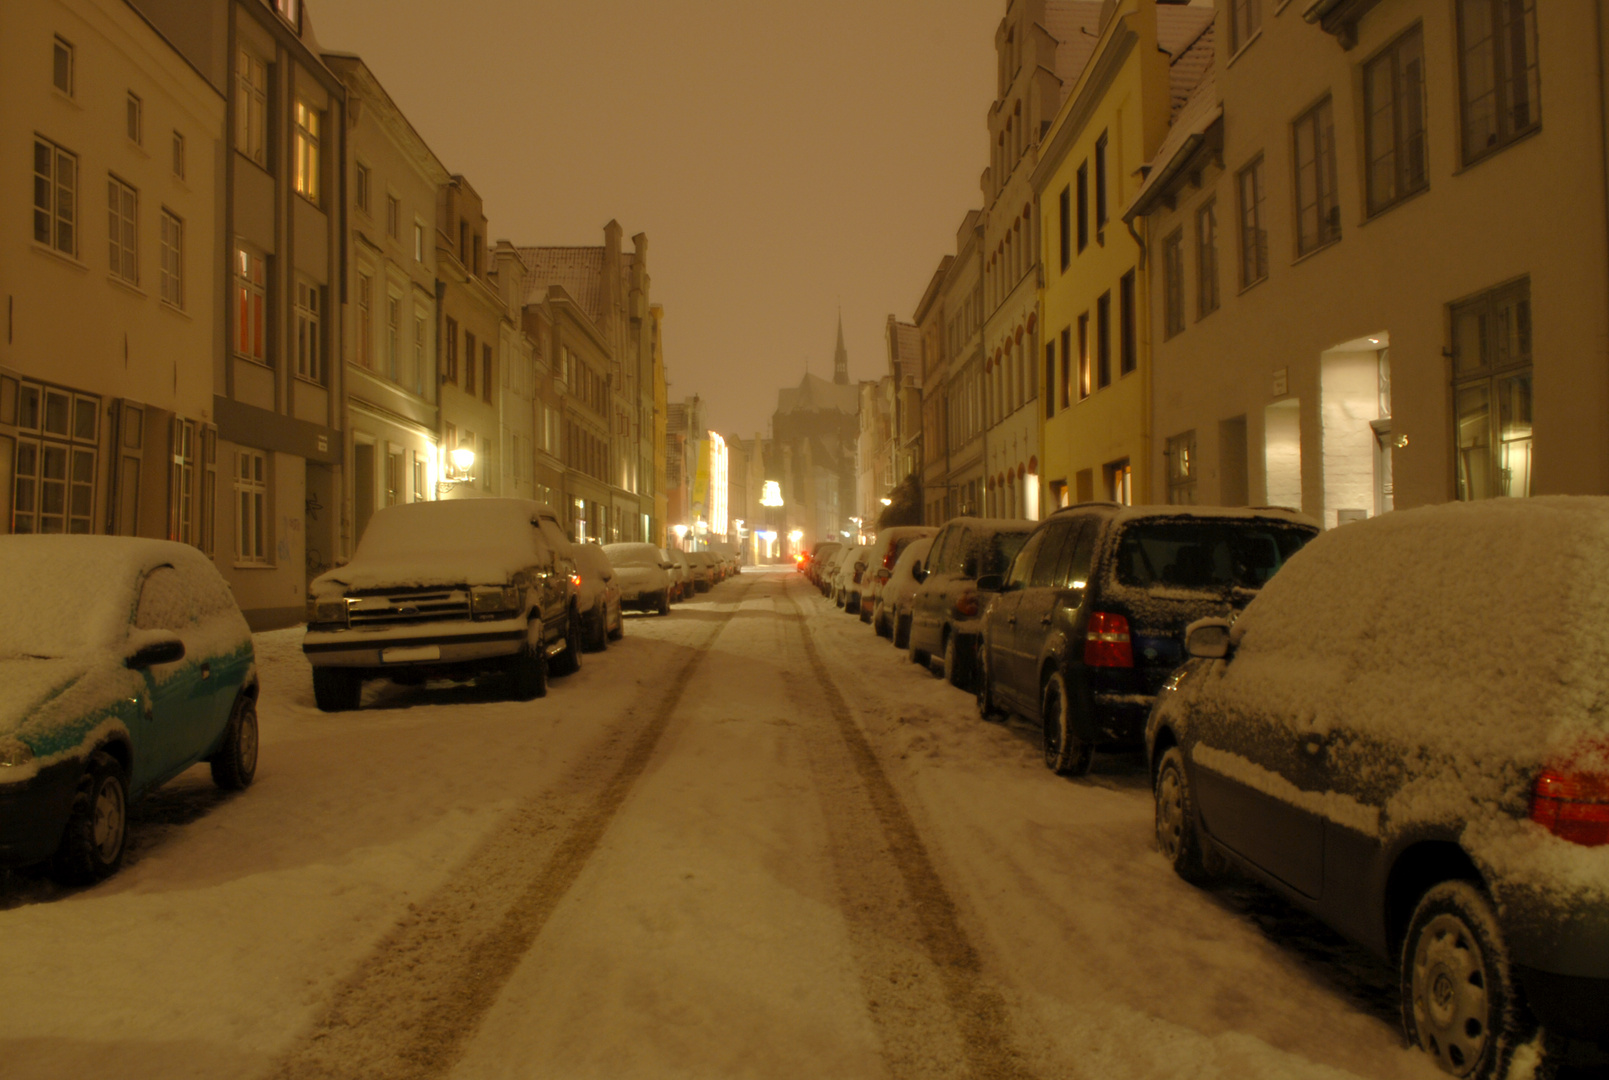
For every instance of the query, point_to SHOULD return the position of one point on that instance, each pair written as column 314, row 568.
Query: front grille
column 402, row 607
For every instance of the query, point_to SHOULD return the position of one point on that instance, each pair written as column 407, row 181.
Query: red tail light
column 891, row 556
column 966, row 605
column 575, row 579
column 1106, row 641
column 1572, row 805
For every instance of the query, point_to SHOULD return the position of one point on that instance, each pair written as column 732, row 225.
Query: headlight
column 14, row 752
column 327, row 611
column 484, row 599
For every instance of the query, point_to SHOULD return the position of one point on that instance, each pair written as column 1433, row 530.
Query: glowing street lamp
column 771, row 494
column 460, row 461
column 886, row 501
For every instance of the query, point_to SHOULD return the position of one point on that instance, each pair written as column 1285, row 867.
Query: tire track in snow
column 936, row 1012
column 411, row 1008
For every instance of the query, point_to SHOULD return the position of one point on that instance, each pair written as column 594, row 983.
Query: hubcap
column 1451, row 1005
column 248, row 740
column 109, row 819
column 1169, row 813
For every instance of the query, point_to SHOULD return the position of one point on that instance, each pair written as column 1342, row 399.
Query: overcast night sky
column 783, row 158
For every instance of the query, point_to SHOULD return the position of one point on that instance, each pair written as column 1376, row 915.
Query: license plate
column 400, row 653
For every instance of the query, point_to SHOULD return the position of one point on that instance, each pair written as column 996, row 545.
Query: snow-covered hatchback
column 123, row 662
column 1407, row 733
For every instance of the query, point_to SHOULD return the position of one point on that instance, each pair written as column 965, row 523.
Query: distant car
column 892, row 616
column 1089, row 622
column 1405, row 734
column 703, row 570
column 819, row 557
column 643, row 573
column 598, row 597
column 682, row 571
column 947, row 611
column 447, row 589
column 122, row 663
column 885, row 553
column 826, row 578
column 847, row 586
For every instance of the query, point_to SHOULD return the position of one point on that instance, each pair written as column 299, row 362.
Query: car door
column 1004, row 665
column 1043, row 593
column 553, row 574
column 182, row 695
column 933, row 599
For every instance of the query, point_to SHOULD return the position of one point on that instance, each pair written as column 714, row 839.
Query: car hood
column 439, row 569
column 52, row 703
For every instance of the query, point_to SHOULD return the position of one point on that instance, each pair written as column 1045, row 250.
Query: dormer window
column 290, row 11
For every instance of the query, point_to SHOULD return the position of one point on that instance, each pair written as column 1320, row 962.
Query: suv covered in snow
column 1407, row 734
column 447, row 589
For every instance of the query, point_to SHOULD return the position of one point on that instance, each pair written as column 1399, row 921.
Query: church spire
column 840, row 358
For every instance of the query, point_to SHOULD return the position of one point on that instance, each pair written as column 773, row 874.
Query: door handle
column 206, row 671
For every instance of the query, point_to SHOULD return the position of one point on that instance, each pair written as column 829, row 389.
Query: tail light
column 891, row 556
column 1572, row 805
column 575, row 579
column 966, row 605
column 1106, row 641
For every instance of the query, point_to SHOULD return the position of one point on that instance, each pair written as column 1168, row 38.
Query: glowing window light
column 771, row 495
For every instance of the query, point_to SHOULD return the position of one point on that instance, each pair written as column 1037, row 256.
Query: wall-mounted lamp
column 460, row 462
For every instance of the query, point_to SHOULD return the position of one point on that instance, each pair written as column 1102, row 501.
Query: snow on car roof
column 633, row 554
column 445, row 542
column 1253, row 513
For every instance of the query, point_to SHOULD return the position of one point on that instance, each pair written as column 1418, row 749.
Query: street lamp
column 886, row 501
column 681, row 533
column 460, row 461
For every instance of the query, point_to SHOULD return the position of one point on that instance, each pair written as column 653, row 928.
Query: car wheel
column 235, row 763
column 620, row 625
column 568, row 662
column 988, row 709
column 596, row 628
column 880, row 625
column 528, row 674
column 1177, row 837
column 664, row 602
column 1460, row 1001
column 1065, row 753
column 919, row 656
column 337, row 689
column 96, row 835
column 902, row 631
column 956, row 668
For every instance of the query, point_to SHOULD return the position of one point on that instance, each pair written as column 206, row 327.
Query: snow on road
column 749, row 840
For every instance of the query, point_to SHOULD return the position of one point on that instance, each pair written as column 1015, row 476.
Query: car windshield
column 1205, row 554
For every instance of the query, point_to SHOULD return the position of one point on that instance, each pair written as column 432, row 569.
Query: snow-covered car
column 123, row 662
column 891, row 616
column 702, row 569
column 890, row 543
column 1405, row 733
column 682, row 572
column 643, row 574
column 820, row 555
column 598, row 597
column 947, row 611
column 826, row 576
column 1089, row 622
column 453, row 589
column 846, row 579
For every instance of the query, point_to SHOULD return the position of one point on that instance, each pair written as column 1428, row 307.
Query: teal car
column 123, row 662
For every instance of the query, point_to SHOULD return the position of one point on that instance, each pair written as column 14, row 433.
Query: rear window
column 1205, row 554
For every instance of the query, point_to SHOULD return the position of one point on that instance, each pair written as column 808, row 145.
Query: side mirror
column 919, row 573
column 667, row 566
column 992, row 582
column 1207, row 639
column 158, row 648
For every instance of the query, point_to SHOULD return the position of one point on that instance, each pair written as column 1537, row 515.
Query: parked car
column 1090, row 620
column 1404, row 734
column 947, row 611
column 885, row 553
column 846, row 579
column 122, row 663
column 703, row 570
column 829, row 570
column 891, row 618
column 643, row 574
column 819, row 557
column 681, row 572
column 454, row 589
column 598, row 597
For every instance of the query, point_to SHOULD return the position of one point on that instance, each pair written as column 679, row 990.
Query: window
column 310, row 331
column 1181, row 455
column 1050, row 378
column 1253, row 230
column 420, row 336
column 1173, row 283
column 1083, row 206
column 251, row 108
column 393, row 477
column 1129, row 357
column 1103, row 341
column 251, row 305
column 121, row 202
column 419, row 492
column 418, row 242
column 178, row 154
column 306, row 179
column 1318, row 215
column 451, row 374
column 1498, row 94
column 463, row 242
column 55, row 197
column 1245, row 20
column 209, row 489
column 366, row 319
column 469, row 363
column 61, row 68
column 393, row 336
column 393, row 217
column 1207, row 258
column 251, row 506
column 1066, row 228
column 1119, row 482
column 181, row 481
column 486, row 464
column 288, row 10
column 486, row 372
column 1066, row 366
column 1086, row 383
column 1492, row 393
column 53, row 486
column 1100, row 184
column 360, row 187
column 136, row 119
column 1394, row 121
column 172, row 260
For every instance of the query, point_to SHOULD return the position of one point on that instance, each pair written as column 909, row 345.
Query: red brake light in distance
column 1572, row 806
column 1106, row 641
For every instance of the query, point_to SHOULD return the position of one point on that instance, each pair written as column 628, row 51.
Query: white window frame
column 393, row 216
column 361, row 187
column 365, row 318
column 309, row 330
column 252, row 540
column 249, row 295
column 136, row 119
column 305, row 177
column 251, row 107
column 67, row 495
column 172, row 270
column 58, row 185
column 178, row 154
column 123, row 232
column 393, row 335
column 63, row 73
column 421, row 338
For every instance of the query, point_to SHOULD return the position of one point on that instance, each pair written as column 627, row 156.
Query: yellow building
column 1094, row 414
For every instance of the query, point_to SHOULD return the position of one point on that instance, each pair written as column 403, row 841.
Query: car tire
column 919, row 656
column 664, row 603
column 235, row 763
column 568, row 662
column 528, row 674
column 957, row 669
column 902, row 631
column 620, row 624
column 1178, row 837
column 1454, row 948
column 1065, row 753
column 988, row 709
column 337, row 689
column 880, row 625
column 96, row 835
column 595, row 630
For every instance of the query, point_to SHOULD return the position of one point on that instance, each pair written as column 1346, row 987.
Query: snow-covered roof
column 1190, row 128
column 578, row 270
column 1075, row 24
column 1187, row 35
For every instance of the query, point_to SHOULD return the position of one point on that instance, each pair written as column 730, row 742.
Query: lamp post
column 460, row 461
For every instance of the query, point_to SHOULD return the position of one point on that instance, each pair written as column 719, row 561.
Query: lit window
column 306, row 178
column 172, row 260
column 55, row 197
column 121, row 201
column 1492, row 393
column 1181, row 455
column 251, row 305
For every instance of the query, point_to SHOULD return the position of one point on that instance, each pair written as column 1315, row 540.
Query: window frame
column 1501, row 80
column 53, row 217
column 179, row 153
column 1101, row 215
column 249, row 296
column 1491, row 371
column 311, row 356
column 251, row 107
column 1207, row 291
column 1173, row 320
column 306, row 128
column 1103, row 340
column 1180, row 451
column 1083, row 205
column 123, row 229
column 253, row 543
column 1253, row 228
column 1128, row 359
column 135, row 127
column 362, row 188
column 1403, row 184
column 171, row 270
column 1245, row 18
column 60, row 48
column 1319, row 118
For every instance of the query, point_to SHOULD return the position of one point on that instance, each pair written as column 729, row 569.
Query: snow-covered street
column 750, row 839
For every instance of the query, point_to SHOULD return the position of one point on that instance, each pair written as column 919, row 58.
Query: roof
column 815, row 394
column 905, row 353
column 578, row 270
column 1075, row 24
column 1191, row 125
column 1190, row 42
